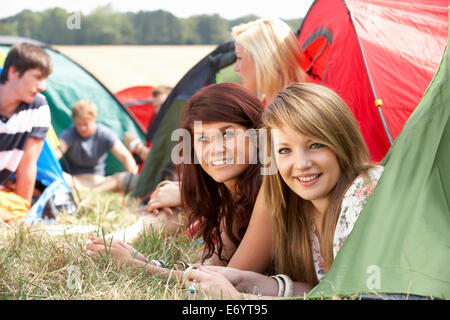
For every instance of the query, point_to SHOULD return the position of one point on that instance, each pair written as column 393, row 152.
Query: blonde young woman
column 323, row 181
column 268, row 57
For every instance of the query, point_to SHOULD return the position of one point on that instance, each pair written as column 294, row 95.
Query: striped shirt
column 29, row 120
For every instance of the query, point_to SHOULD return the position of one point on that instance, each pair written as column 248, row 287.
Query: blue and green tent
column 69, row 83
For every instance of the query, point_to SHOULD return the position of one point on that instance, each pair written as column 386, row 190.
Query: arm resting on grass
column 232, row 283
column 163, row 222
column 123, row 254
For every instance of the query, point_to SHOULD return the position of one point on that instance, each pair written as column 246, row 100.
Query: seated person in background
column 24, row 121
column 126, row 181
column 132, row 142
column 85, row 146
column 160, row 94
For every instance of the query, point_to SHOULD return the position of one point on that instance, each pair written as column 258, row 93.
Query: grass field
column 120, row 67
column 37, row 265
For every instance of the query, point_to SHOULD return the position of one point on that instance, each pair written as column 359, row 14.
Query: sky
column 228, row 9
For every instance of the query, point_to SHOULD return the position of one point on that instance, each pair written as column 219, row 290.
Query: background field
column 119, row 67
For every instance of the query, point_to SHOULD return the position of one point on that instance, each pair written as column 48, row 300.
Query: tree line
column 106, row 26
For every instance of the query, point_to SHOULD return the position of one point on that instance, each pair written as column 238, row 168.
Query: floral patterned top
column 354, row 201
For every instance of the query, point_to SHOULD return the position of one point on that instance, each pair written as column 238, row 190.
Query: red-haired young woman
column 220, row 180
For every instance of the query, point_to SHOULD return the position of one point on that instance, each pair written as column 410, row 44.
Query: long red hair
column 210, row 202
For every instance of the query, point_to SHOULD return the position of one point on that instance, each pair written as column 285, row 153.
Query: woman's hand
column 247, row 281
column 212, row 284
column 118, row 251
column 167, row 195
column 234, row 276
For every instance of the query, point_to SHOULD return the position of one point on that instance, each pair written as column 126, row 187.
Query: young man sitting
column 124, row 181
column 85, row 146
column 24, row 121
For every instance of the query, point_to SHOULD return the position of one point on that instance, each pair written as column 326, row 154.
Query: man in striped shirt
column 24, row 115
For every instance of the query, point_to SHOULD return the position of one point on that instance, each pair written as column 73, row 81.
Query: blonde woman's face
column 246, row 68
column 308, row 167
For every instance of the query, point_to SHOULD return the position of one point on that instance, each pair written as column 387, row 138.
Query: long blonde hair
column 276, row 52
column 320, row 114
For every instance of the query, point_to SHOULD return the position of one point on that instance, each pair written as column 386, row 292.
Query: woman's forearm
column 155, row 270
column 255, row 283
column 149, row 223
column 301, row 288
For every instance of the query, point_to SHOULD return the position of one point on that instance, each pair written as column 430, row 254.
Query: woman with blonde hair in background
column 323, row 181
column 268, row 57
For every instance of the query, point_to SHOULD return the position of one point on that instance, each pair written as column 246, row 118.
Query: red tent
column 139, row 102
column 378, row 55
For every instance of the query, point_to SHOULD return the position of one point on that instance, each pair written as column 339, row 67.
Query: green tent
column 69, row 83
column 400, row 244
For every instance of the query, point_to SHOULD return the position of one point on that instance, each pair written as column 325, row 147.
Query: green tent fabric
column 69, row 83
column 401, row 241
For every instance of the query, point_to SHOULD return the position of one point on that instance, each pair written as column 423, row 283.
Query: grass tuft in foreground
column 37, row 265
